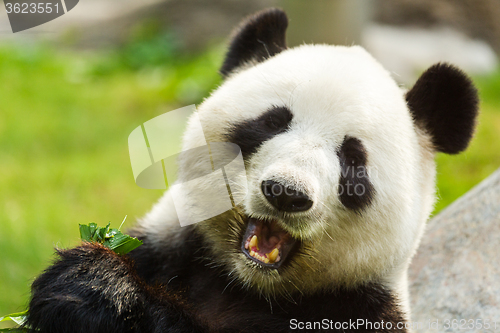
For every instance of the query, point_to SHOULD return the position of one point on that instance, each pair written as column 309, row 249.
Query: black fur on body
column 92, row 289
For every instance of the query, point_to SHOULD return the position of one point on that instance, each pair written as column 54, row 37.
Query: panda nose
column 284, row 198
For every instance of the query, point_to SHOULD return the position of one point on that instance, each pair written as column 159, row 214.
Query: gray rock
column 456, row 272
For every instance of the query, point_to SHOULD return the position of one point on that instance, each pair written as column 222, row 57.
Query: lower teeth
column 270, row 257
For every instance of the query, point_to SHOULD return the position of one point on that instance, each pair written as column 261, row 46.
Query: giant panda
column 300, row 251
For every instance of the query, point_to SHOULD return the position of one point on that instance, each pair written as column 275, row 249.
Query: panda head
column 339, row 159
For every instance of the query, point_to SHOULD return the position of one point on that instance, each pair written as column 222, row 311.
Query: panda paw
column 89, row 289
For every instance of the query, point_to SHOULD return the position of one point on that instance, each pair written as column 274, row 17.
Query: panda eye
column 250, row 134
column 353, row 152
column 275, row 123
column 278, row 119
column 354, row 175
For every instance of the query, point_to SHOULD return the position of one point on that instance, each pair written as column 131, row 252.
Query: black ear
column 444, row 103
column 258, row 37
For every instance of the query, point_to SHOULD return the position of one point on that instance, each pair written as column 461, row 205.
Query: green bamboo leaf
column 101, row 233
column 126, row 245
column 93, row 228
column 85, row 233
column 113, row 239
column 19, row 317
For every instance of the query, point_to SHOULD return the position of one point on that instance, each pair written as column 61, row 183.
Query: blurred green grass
column 64, row 122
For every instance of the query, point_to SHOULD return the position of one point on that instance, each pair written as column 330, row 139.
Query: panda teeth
column 273, row 255
column 254, row 242
column 258, row 256
column 253, row 246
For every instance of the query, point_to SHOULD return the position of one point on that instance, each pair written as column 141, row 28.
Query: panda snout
column 285, row 198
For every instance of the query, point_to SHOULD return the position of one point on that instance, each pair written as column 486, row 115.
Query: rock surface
column 456, row 272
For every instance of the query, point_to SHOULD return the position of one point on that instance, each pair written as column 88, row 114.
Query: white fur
column 332, row 91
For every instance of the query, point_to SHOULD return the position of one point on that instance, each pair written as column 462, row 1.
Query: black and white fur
column 301, row 117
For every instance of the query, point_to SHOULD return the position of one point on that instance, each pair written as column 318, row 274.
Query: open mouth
column 266, row 243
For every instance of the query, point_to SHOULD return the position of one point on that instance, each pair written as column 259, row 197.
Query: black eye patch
column 250, row 134
column 355, row 189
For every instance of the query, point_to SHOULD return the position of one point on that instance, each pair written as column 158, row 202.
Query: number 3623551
column 32, row 8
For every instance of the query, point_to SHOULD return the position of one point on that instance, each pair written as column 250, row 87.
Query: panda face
column 339, row 163
column 333, row 167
